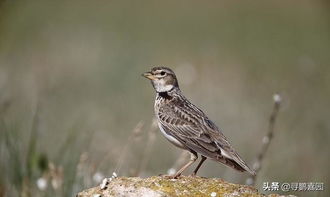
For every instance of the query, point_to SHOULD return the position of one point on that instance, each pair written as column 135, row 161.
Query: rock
column 158, row 186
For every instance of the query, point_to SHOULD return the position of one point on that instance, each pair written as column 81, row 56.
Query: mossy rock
column 158, row 186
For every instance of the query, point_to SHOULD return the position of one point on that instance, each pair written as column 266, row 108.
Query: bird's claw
column 192, row 175
column 175, row 176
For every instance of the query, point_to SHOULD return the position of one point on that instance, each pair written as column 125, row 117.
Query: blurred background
column 74, row 107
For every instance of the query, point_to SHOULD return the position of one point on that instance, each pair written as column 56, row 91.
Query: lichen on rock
column 158, row 186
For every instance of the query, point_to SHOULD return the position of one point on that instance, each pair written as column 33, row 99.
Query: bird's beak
column 148, row 75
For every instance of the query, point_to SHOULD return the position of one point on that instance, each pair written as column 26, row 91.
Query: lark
column 187, row 127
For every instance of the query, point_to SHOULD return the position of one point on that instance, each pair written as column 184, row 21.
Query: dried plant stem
column 136, row 133
column 148, row 148
column 266, row 139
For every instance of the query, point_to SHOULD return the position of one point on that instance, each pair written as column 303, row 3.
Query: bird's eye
column 162, row 73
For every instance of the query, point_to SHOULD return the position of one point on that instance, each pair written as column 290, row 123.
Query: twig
column 137, row 132
column 266, row 139
column 148, row 148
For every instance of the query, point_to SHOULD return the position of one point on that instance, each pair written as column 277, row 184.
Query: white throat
column 160, row 86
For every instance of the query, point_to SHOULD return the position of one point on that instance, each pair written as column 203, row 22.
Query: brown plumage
column 187, row 127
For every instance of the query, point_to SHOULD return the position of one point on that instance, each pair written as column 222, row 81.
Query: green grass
column 23, row 161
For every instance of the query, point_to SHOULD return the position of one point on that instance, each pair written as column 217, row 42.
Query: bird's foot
column 192, row 175
column 175, row 176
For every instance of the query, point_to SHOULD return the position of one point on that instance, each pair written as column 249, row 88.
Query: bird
column 188, row 127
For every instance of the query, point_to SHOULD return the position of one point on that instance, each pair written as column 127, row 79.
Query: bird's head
column 163, row 79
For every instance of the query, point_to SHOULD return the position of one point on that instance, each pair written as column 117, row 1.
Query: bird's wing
column 188, row 124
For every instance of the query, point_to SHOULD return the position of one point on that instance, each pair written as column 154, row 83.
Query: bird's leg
column 193, row 158
column 198, row 166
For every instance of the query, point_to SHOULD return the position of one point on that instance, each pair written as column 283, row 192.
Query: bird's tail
column 240, row 166
column 230, row 157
